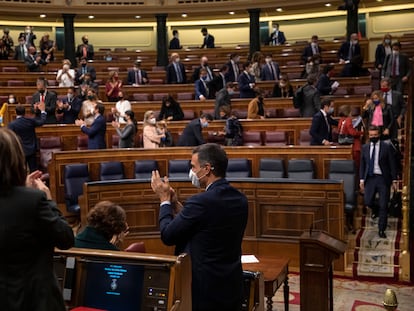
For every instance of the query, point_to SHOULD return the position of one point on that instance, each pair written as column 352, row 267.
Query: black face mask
column 41, row 91
column 85, row 41
column 374, row 139
column 125, row 119
column 83, row 65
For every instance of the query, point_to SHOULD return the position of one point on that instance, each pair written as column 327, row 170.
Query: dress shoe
column 381, row 234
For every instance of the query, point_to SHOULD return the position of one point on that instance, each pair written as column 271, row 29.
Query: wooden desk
column 275, row 272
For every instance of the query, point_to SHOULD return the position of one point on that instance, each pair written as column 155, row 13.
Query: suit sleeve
column 314, row 130
column 95, row 127
column 197, row 133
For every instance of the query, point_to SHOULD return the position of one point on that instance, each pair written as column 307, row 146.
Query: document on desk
column 249, row 259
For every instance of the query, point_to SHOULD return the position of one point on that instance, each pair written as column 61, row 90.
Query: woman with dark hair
column 170, row 110
column 382, row 50
column 106, row 227
column 113, row 86
column 31, row 227
column 127, row 134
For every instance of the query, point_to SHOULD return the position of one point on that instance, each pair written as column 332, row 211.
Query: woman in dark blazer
column 170, row 110
column 31, row 227
column 282, row 88
column 382, row 50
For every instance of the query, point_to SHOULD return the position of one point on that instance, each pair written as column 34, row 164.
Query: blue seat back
column 111, row 170
column 144, row 168
column 300, row 169
column 75, row 175
column 271, row 168
column 238, row 168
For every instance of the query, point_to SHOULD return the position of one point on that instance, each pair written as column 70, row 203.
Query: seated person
column 170, row 110
column 283, row 88
column 106, row 227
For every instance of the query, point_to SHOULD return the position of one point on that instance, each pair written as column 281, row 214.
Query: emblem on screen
column 114, row 285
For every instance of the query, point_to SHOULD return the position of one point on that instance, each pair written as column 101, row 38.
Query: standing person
column 170, row 110
column 397, row 68
column 29, row 36
column 377, row 174
column 8, row 40
column 311, row 50
column 270, row 70
column 84, row 69
column 175, row 41
column 31, row 227
column 151, row 134
column 24, row 128
column 66, row 76
column 201, row 227
column 256, row 68
column 136, row 75
column 219, row 81
column 176, row 71
column 208, row 41
column 192, row 134
column 325, row 85
column 106, row 227
column 96, row 132
column 43, row 95
column 121, row 106
column 33, row 60
column 233, row 68
column 277, row 37
column 203, row 65
column 21, row 51
column 127, row 134
column 321, row 128
column 68, row 109
column 223, row 98
column 85, row 49
column 383, row 49
column 311, row 100
column 255, row 109
column 395, row 100
column 4, row 51
column 349, row 49
column 113, row 86
column 47, row 47
column 233, row 130
column 246, row 82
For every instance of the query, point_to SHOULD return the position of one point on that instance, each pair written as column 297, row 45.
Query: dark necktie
column 394, row 66
column 372, row 162
column 272, row 71
column 386, row 98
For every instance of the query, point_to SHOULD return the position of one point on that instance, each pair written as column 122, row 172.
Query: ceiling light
column 91, row 17
column 184, row 15
column 232, row 13
column 279, row 9
column 42, row 15
column 137, row 16
column 328, row 4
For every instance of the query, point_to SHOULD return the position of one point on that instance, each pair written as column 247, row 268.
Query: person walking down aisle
column 208, row 41
column 31, row 227
column 210, row 227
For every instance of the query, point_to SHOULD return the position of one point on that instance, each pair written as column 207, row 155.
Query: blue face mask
column 204, row 124
column 204, row 78
column 331, row 110
column 376, row 102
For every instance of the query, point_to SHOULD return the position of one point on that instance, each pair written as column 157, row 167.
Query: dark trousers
column 373, row 185
column 31, row 162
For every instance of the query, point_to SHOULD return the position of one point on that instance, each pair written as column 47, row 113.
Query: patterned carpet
column 351, row 295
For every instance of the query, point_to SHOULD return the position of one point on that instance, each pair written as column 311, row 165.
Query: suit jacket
column 196, row 73
column 386, row 162
column 200, row 88
column 18, row 55
column 244, row 85
column 380, row 55
column 131, row 77
column 311, row 101
column 50, row 106
column 230, row 76
column 29, row 38
column 266, row 72
column 31, row 226
column 175, row 44
column 281, row 39
column 172, row 75
column 25, row 128
column 215, row 85
column 398, row 105
column 319, row 129
column 277, row 91
column 33, row 66
column 308, row 52
column 387, row 119
column 211, row 227
column 223, row 98
column 404, row 66
column 192, row 134
column 324, row 84
column 79, row 72
column 343, row 52
column 96, row 133
column 208, row 42
column 89, row 51
column 70, row 114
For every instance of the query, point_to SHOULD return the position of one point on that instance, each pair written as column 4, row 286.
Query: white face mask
column 268, row 60
column 395, row 52
column 11, row 100
column 93, row 111
column 194, row 179
column 177, row 60
column 152, row 121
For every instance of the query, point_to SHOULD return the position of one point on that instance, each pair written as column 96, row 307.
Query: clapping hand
column 161, row 187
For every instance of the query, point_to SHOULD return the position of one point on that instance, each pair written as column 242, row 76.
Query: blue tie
column 372, row 162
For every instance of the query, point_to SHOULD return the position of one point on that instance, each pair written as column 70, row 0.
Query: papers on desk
column 249, row 259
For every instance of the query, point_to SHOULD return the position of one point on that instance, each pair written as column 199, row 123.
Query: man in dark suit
column 234, row 71
column 270, row 70
column 33, row 60
column 210, row 227
column 85, row 49
column 68, row 109
column 321, row 128
column 175, row 41
column 21, row 51
column 47, row 97
column 192, row 134
column 25, row 128
column 137, row 76
column 203, row 65
column 276, row 37
column 176, row 71
column 96, row 132
column 200, row 86
column 246, row 82
column 28, row 36
column 395, row 99
column 325, row 85
column 83, row 69
column 312, row 49
column 349, row 49
column 397, row 68
column 219, row 81
column 377, row 173
column 208, row 41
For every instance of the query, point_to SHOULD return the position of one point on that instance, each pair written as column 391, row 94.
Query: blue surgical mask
column 376, row 102
column 331, row 110
column 204, row 124
column 387, row 41
column 204, row 78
